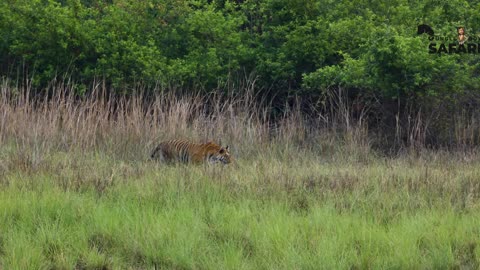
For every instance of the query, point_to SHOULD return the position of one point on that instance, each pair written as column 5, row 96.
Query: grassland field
column 289, row 210
column 77, row 191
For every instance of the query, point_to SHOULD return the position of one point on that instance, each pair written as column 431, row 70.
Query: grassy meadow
column 77, row 190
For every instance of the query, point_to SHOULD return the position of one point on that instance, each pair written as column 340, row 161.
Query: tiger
column 188, row 152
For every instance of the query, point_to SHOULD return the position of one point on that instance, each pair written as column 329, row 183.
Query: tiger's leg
column 158, row 154
column 184, row 156
column 154, row 153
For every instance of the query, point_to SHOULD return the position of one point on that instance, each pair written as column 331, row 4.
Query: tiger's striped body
column 188, row 152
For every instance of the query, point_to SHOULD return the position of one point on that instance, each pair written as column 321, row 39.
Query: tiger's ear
column 226, row 147
column 221, row 151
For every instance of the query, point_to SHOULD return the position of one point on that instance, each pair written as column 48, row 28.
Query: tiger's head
column 221, row 155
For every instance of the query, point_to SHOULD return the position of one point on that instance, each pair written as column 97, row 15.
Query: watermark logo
column 458, row 43
column 425, row 29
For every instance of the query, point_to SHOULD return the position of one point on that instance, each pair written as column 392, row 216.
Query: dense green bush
column 298, row 47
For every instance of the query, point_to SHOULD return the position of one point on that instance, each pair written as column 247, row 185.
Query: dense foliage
column 300, row 47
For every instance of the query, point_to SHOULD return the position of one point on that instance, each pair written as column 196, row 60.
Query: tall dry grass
column 128, row 127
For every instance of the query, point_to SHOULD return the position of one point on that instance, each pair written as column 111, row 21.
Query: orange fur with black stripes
column 188, row 152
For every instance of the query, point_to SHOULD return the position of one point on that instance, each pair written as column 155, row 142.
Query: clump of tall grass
column 128, row 127
column 33, row 124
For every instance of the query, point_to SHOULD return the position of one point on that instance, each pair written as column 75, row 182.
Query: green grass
column 279, row 210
